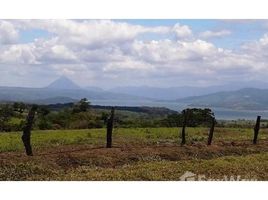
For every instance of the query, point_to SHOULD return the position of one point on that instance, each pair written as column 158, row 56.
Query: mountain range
column 64, row 90
column 243, row 99
column 172, row 93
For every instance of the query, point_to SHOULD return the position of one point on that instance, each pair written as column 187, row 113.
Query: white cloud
column 63, row 52
column 264, row 40
column 168, row 51
column 182, row 31
column 52, row 52
column 92, row 33
column 257, row 48
column 211, row 34
column 8, row 33
column 106, row 50
column 128, row 64
column 18, row 54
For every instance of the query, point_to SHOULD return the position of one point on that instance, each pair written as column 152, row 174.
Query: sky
column 111, row 53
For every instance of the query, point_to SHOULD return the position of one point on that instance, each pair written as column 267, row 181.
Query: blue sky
column 108, row 53
column 29, row 35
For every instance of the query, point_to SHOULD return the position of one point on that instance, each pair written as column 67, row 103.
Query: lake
column 220, row 113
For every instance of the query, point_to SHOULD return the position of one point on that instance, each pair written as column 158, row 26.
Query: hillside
column 171, row 93
column 244, row 99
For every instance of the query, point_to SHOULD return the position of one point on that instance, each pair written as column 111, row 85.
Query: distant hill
column 94, row 89
column 63, row 83
column 62, row 90
column 243, row 99
column 41, row 94
column 55, row 100
column 171, row 93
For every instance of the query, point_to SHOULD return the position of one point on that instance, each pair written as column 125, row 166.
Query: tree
column 6, row 112
column 173, row 120
column 19, row 107
column 198, row 116
column 43, row 122
column 195, row 117
column 43, row 111
column 82, row 106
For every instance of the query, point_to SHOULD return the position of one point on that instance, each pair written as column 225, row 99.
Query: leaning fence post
column 110, row 124
column 26, row 136
column 256, row 129
column 210, row 136
column 183, row 140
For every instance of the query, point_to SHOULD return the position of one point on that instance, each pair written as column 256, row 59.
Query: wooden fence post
column 256, row 129
column 184, row 123
column 210, row 136
column 110, row 124
column 26, row 136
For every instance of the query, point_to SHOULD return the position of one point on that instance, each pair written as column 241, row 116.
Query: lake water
column 220, row 113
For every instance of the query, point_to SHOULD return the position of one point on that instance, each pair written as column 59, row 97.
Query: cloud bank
column 109, row 53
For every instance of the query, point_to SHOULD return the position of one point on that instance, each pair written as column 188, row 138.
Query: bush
column 44, row 124
column 79, row 124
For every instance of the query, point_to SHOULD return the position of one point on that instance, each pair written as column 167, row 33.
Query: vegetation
column 82, row 115
column 137, row 154
column 242, row 99
column 69, row 140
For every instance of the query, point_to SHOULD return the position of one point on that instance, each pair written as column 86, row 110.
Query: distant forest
column 83, row 115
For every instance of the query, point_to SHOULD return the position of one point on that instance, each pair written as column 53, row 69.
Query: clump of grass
column 25, row 171
column 89, row 135
column 249, row 167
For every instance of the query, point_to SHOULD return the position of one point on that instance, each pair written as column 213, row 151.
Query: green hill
column 244, row 99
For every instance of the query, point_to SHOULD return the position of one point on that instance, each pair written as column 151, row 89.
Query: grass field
column 137, row 154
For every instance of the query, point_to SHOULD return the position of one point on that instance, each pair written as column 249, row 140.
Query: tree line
column 82, row 115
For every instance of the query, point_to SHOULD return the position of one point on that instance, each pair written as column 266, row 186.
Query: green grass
column 250, row 167
column 15, row 120
column 139, row 154
column 51, row 138
column 43, row 139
